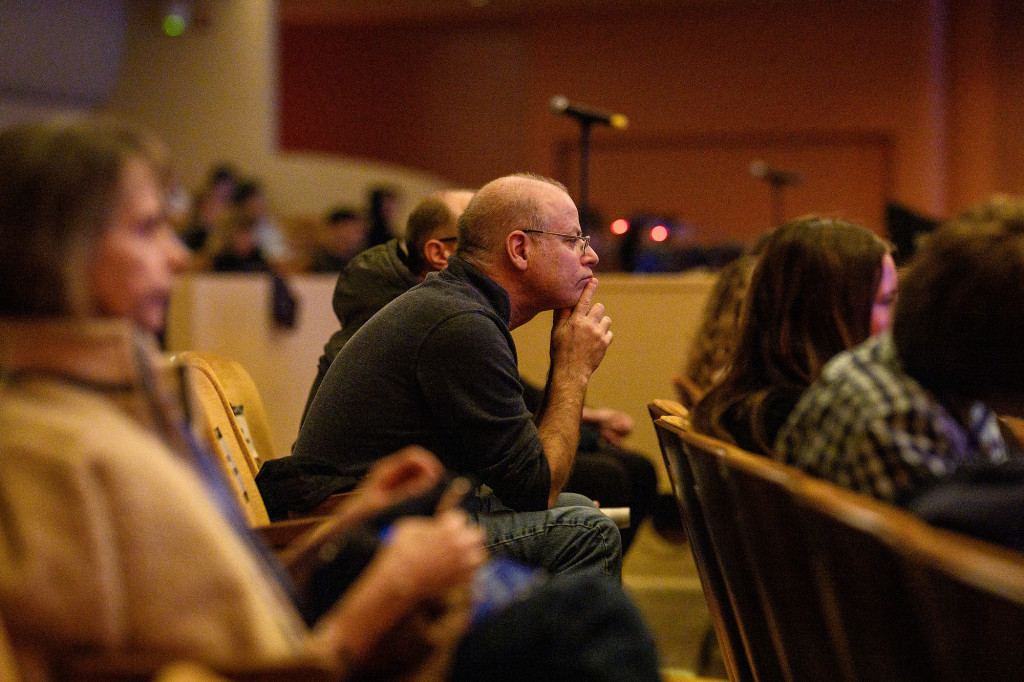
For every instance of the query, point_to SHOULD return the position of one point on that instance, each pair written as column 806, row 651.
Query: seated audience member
column 210, row 209
column 604, row 471
column 380, row 274
column 715, row 341
column 437, row 367
column 820, row 286
column 909, row 408
column 719, row 330
column 118, row 532
column 382, row 210
column 345, row 238
column 250, row 208
column 241, row 253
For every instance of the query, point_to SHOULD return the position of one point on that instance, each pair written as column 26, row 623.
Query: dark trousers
column 615, row 477
column 575, row 627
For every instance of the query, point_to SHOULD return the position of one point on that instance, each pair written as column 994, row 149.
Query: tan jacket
column 108, row 540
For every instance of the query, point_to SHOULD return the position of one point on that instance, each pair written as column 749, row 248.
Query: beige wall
column 211, row 95
column 654, row 319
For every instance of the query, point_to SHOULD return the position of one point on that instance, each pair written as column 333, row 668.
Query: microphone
column 776, row 176
column 584, row 114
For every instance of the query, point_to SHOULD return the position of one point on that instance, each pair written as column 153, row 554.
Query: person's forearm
column 579, row 339
column 558, row 425
column 373, row 605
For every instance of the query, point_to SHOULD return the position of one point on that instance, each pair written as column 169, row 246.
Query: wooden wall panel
column 704, row 180
column 468, row 99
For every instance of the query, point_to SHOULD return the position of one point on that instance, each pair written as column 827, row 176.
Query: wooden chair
column 760, row 635
column 204, row 374
column 736, row 649
column 854, row 542
column 662, row 407
column 762, row 494
column 246, row 404
column 969, row 599
column 217, row 425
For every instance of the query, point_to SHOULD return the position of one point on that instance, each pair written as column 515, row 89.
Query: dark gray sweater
column 436, row 367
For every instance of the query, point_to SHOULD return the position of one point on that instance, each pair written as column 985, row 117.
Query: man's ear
column 435, row 253
column 518, row 248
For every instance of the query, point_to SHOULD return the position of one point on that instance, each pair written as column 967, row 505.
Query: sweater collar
column 101, row 353
column 495, row 294
column 113, row 358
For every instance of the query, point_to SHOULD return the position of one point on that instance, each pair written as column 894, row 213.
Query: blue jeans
column 571, row 536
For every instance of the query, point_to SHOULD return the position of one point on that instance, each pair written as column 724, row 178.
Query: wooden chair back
column 662, row 407
column 854, row 541
column 760, row 634
column 244, row 398
column 762, row 493
column 721, row 603
column 969, row 599
column 216, row 423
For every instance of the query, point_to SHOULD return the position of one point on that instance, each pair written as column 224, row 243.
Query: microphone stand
column 583, row 200
column 778, row 188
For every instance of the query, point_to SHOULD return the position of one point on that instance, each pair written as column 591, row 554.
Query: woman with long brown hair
column 821, row 286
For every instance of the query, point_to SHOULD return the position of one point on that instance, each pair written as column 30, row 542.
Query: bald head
column 434, row 218
column 513, row 202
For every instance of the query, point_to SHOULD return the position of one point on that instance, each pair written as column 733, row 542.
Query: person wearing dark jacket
column 604, row 471
column 437, row 367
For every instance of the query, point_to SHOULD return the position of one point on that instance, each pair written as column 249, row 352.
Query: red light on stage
column 659, row 233
column 620, row 226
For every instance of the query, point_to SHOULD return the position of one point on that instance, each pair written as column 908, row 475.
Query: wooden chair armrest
column 280, row 534
column 620, row 515
column 325, row 508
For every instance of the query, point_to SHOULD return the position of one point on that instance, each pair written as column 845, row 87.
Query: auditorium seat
column 217, row 425
column 244, row 397
column 768, row 521
column 740, row 652
column 854, row 540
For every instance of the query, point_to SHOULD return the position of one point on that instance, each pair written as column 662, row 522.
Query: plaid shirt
column 868, row 426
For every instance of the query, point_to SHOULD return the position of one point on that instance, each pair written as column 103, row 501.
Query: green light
column 174, row 25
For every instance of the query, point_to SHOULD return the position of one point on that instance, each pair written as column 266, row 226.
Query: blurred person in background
column 345, row 237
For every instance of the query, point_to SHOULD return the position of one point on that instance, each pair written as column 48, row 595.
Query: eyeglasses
column 447, row 239
column 582, row 241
